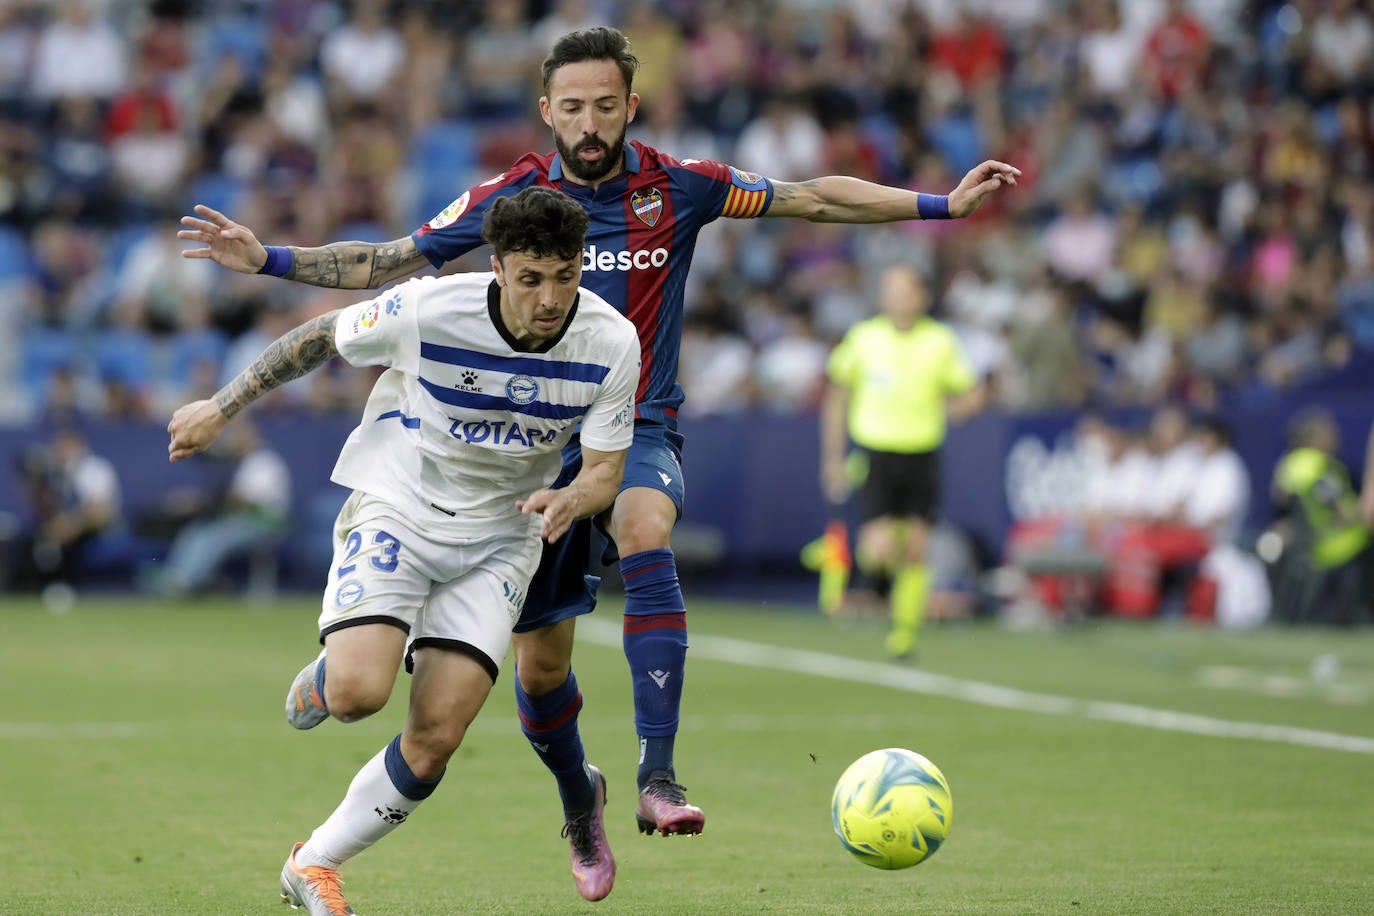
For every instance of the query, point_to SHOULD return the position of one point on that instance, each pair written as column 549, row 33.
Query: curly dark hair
column 600, row 43
column 540, row 221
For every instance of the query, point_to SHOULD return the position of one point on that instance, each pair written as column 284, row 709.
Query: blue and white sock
column 380, row 798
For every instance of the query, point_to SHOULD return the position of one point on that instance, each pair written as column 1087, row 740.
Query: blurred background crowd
column 1195, row 224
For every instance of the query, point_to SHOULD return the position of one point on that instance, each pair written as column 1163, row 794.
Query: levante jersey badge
column 648, row 206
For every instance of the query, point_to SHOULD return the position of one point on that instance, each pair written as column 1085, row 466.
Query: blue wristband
column 279, row 261
column 932, row 206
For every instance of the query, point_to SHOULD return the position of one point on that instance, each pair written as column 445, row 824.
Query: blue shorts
column 562, row 586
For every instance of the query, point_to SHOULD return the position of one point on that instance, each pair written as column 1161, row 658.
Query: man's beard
column 590, row 171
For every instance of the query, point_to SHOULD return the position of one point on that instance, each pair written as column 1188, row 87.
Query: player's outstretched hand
column 559, row 508
column 226, row 242
column 981, row 181
column 194, row 427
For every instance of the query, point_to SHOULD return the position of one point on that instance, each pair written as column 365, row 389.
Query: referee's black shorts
column 901, row 485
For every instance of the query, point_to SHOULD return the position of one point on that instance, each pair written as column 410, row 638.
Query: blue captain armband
column 932, row 206
column 279, row 261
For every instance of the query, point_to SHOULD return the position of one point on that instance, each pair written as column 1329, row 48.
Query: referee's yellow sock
column 909, row 590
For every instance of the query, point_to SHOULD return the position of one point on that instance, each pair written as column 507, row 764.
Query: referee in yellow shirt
column 894, row 380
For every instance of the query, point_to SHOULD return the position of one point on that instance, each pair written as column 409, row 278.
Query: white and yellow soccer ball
column 892, row 808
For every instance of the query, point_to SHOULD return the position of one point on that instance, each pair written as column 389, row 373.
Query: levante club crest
column 648, row 206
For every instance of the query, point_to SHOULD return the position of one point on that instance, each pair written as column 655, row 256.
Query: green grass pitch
column 145, row 768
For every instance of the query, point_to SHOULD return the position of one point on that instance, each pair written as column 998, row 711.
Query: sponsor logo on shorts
column 515, row 599
column 349, row 594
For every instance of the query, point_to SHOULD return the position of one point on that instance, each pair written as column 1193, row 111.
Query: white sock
column 372, row 808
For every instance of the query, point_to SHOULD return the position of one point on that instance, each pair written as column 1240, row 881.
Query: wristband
column 932, row 206
column 279, row 260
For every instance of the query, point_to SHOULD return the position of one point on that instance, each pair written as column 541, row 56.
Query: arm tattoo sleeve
column 392, row 260
column 355, row 265
column 331, row 265
column 290, row 356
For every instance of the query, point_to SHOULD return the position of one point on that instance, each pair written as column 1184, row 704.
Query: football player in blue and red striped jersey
column 646, row 209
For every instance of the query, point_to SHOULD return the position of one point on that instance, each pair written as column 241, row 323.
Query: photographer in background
column 73, row 497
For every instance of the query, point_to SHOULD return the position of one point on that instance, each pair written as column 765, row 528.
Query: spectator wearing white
column 1118, row 488
column 74, row 496
column 499, row 57
column 1107, row 51
column 1343, row 40
column 362, row 58
column 715, row 366
column 79, row 54
column 784, row 141
column 249, row 520
column 1220, row 494
column 1178, row 461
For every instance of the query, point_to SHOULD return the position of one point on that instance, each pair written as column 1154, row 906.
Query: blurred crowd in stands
column 1195, row 224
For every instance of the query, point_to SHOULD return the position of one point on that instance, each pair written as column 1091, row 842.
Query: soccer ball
column 892, row 808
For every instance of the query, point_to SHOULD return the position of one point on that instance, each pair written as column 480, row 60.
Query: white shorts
column 463, row 596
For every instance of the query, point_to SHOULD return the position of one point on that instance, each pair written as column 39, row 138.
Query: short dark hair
column 1307, row 424
column 600, row 43
column 540, row 221
column 1215, row 426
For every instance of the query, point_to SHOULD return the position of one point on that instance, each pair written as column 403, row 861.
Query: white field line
column 1282, row 686
column 796, row 661
column 878, row 674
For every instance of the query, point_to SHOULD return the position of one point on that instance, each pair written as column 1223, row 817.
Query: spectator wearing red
column 1175, row 55
column 971, row 49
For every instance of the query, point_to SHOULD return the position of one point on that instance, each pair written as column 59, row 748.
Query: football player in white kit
column 487, row 376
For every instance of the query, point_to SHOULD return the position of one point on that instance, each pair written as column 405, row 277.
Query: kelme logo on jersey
column 648, row 206
column 594, row 259
column 522, row 389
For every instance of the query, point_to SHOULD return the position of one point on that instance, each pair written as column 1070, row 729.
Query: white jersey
column 462, row 424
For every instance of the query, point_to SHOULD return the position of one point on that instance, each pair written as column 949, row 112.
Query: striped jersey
column 462, row 424
column 642, row 230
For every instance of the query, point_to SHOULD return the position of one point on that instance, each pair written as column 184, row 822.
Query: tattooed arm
column 840, row 199
column 356, row 265
column 342, row 265
column 197, row 425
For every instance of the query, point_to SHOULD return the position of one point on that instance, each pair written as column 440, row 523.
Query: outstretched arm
column 342, row 265
column 840, row 199
column 196, row 426
column 592, row 490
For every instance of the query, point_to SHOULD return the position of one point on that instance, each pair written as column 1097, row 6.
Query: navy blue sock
column 655, row 641
column 549, row 721
column 404, row 779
